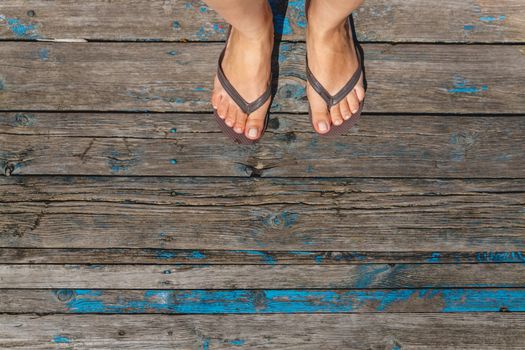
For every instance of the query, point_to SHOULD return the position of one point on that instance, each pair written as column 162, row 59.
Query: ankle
column 260, row 29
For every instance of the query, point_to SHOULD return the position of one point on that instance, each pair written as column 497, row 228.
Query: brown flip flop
column 246, row 107
column 330, row 100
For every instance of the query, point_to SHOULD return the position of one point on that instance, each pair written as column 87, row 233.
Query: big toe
column 319, row 112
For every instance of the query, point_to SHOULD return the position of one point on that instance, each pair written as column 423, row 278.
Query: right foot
column 247, row 65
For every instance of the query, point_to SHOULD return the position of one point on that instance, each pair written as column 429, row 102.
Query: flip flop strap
column 338, row 97
column 246, row 107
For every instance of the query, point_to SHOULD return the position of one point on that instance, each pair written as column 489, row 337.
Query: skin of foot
column 247, row 65
column 333, row 60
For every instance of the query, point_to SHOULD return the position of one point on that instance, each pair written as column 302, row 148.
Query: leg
column 247, row 61
column 332, row 59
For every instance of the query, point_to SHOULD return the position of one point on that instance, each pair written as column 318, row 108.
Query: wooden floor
column 129, row 221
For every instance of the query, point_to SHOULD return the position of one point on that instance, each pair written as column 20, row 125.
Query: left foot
column 332, row 59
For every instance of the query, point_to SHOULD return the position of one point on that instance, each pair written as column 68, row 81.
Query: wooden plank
column 275, row 227
column 376, row 20
column 253, row 257
column 257, row 276
column 474, row 331
column 380, row 146
column 178, row 77
column 282, row 301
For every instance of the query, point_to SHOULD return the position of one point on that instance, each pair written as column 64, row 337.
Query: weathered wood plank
column 259, row 276
column 269, row 227
column 376, row 20
column 252, row 257
column 283, row 301
column 474, row 331
column 264, row 214
column 380, row 146
column 178, row 77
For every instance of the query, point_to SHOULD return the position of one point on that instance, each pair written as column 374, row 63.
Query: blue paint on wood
column 302, row 301
column 172, row 53
column 468, row 27
column 501, row 257
column 175, row 25
column 43, row 54
column 491, row 18
column 219, row 28
column 237, row 342
column 173, row 161
column 2, row 85
column 59, row 339
column 206, row 344
column 165, row 254
column 19, row 29
column 173, row 130
column 265, row 257
column 197, row 255
column 434, row 258
column 462, row 86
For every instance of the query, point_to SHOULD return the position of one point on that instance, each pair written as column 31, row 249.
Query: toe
column 230, row 115
column 240, row 121
column 255, row 122
column 320, row 114
column 353, row 102
column 360, row 90
column 335, row 115
column 345, row 109
column 222, row 107
column 321, row 121
column 215, row 99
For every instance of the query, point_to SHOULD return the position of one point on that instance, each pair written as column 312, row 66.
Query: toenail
column 252, row 132
column 239, row 130
column 322, row 126
column 338, row 122
column 346, row 117
column 229, row 122
column 354, row 111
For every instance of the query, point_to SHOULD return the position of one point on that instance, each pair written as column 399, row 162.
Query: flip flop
column 332, row 100
column 245, row 106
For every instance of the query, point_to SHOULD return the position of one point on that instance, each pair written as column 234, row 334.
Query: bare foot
column 247, row 65
column 333, row 60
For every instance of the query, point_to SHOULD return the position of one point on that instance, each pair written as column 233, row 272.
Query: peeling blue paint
column 172, row 53
column 491, row 18
column 219, row 28
column 237, row 342
column 461, row 86
column 501, row 257
column 175, row 25
column 435, row 258
column 302, row 301
column 173, row 161
column 165, row 254
column 265, row 257
column 173, row 130
column 197, row 255
column 200, row 89
column 468, row 27
column 61, row 339
column 206, row 344
column 19, row 29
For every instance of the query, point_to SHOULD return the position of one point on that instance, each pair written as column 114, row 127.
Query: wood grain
column 380, row 146
column 376, row 20
column 202, row 276
column 472, row 331
column 178, row 77
column 99, row 256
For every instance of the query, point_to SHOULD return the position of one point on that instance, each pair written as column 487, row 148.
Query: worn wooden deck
column 128, row 221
